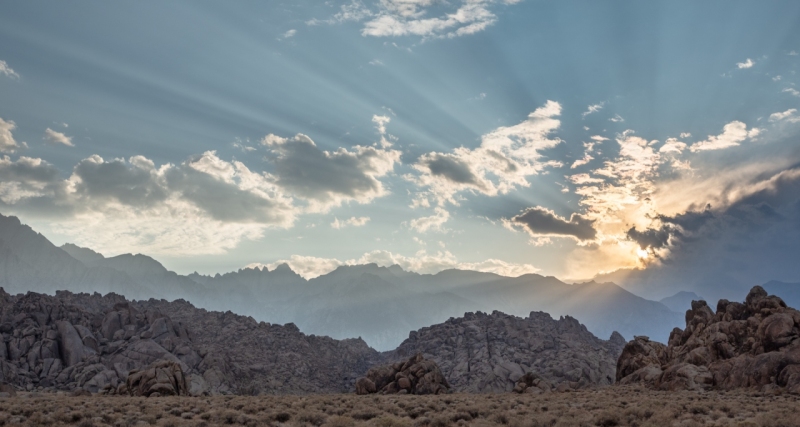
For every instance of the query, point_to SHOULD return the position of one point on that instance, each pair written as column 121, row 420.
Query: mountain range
column 379, row 304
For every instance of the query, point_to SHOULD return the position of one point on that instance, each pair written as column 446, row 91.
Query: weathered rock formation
column 490, row 352
column 413, row 376
column 532, row 383
column 161, row 378
column 751, row 345
column 90, row 342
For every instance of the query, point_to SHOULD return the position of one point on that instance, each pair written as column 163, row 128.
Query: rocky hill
column 489, row 352
column 80, row 341
column 92, row 342
column 755, row 344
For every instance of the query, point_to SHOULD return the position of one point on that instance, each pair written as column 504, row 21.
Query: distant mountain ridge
column 379, row 304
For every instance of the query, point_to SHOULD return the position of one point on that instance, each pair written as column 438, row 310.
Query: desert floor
column 614, row 406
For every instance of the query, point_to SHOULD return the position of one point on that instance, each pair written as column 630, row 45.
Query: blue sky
column 510, row 136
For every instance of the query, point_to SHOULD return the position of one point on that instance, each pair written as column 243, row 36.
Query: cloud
column 396, row 18
column 288, row 34
column 732, row 135
column 539, row 222
column 204, row 205
column 354, row 11
column 57, row 137
column 27, row 178
column 753, row 238
column 325, row 179
column 746, row 64
column 593, row 109
column 580, row 162
column 789, row 115
column 502, row 162
column 352, row 222
column 616, row 119
column 7, row 71
column 650, row 238
column 7, row 142
column 431, row 223
column 672, row 145
column 422, row 262
column 792, row 91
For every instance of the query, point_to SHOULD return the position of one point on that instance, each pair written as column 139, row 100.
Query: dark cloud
column 220, row 190
column 222, row 199
column 450, row 167
column 542, row 221
column 27, row 169
column 650, row 238
column 135, row 183
column 690, row 220
column 721, row 253
column 34, row 187
column 328, row 177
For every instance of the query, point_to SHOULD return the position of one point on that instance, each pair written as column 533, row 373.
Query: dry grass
column 615, row 406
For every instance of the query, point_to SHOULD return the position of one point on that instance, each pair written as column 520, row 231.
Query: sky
column 565, row 138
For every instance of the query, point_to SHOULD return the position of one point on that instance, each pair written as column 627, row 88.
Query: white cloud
column 732, row 135
column 354, row 11
column 381, row 122
column 57, row 137
column 792, row 91
column 7, row 142
column 776, row 79
column 580, row 162
column 503, row 161
column 788, row 115
column 352, row 222
column 685, row 135
column 7, row 71
column 422, row 262
column 393, row 18
column 672, row 145
column 616, row 119
column 431, row 223
column 746, row 64
column 289, row 34
column 593, row 109
column 376, row 63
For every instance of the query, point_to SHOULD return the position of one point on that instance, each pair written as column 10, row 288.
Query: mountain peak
column 84, row 255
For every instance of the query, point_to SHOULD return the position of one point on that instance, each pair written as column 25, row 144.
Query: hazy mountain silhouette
column 380, row 304
column 681, row 301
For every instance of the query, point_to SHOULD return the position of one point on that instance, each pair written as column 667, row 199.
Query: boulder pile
column 413, row 376
column 755, row 344
column 533, row 384
column 161, row 378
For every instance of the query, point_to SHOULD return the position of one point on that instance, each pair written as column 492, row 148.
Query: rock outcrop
column 491, row 352
column 93, row 343
column 413, row 376
column 532, row 383
column 161, row 378
column 755, row 344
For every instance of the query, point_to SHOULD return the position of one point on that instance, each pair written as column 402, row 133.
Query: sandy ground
column 614, row 406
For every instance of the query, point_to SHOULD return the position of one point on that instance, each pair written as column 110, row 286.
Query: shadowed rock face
column 754, row 344
column 490, row 352
column 93, row 343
